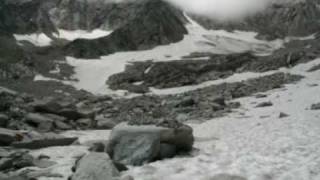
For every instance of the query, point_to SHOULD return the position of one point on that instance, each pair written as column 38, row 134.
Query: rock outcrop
column 157, row 23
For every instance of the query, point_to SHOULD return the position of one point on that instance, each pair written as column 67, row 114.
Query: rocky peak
column 157, row 23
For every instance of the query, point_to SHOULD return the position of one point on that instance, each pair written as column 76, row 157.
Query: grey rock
column 158, row 23
column 119, row 166
column 7, row 136
column 227, row 177
column 315, row 106
column 264, row 104
column 167, row 151
column 43, row 163
column 261, row 96
column 61, row 125
column 95, row 166
column 98, row 147
column 135, row 145
column 105, row 123
column 3, row 120
column 43, row 123
column 43, row 140
column 136, row 149
column 283, row 115
column 15, row 160
column 85, row 123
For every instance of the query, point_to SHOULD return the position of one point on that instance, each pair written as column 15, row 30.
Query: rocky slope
column 280, row 20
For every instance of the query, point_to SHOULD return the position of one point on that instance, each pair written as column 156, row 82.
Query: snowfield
column 41, row 39
column 92, row 74
column 250, row 142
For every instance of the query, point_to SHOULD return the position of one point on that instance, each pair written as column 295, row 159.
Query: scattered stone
column 264, row 104
column 95, row 166
column 283, row 115
column 315, row 106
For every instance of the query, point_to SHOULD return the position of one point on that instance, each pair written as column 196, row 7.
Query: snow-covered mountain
column 247, row 89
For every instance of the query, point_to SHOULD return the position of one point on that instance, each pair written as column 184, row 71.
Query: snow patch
column 81, row 34
column 41, row 39
column 36, row 39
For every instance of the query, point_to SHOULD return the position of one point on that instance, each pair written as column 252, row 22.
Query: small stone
column 258, row 96
column 315, row 106
column 264, row 104
column 3, row 120
column 283, row 115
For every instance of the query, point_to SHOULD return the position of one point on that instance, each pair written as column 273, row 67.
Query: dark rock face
column 156, row 24
column 277, row 21
column 23, row 17
column 89, row 15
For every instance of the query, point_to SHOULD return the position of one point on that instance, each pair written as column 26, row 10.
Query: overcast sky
column 222, row 9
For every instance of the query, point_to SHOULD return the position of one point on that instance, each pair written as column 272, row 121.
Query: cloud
column 222, row 9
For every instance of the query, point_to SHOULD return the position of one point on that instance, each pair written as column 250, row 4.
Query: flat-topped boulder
column 139, row 144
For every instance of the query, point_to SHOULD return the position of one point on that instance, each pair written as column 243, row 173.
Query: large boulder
column 95, row 166
column 138, row 144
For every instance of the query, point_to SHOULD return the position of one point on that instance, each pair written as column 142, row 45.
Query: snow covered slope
column 251, row 142
column 254, row 142
column 92, row 74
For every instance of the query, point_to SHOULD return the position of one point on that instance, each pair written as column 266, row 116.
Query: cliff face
column 157, row 23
